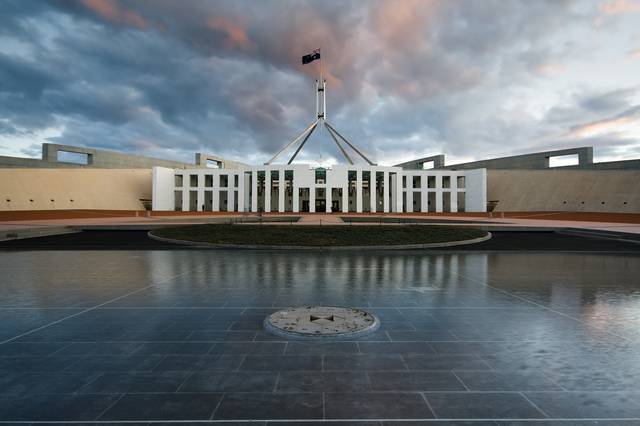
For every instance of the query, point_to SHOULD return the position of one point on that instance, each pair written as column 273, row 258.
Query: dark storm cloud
column 166, row 77
column 609, row 101
column 593, row 104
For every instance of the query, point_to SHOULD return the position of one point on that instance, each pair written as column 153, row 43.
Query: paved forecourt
column 112, row 336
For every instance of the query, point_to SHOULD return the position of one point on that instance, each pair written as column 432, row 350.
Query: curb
column 214, row 246
column 24, row 233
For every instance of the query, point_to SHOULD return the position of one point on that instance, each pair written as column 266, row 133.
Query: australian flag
column 306, row 59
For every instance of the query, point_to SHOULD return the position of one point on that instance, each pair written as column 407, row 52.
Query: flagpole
column 320, row 50
column 323, row 95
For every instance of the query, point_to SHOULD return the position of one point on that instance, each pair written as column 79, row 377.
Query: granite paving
column 469, row 338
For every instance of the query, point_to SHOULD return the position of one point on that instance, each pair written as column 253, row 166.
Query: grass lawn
column 341, row 235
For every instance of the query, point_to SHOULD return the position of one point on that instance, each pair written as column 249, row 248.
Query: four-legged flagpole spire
column 321, row 120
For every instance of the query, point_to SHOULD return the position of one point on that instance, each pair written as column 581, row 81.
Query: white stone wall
column 162, row 179
column 438, row 190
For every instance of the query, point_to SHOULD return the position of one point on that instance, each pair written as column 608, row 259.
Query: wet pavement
column 161, row 335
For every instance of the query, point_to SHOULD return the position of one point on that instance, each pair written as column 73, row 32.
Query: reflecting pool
column 177, row 335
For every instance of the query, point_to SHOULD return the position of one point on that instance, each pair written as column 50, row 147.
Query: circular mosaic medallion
column 321, row 322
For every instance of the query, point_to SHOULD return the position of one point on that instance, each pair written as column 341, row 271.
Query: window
column 193, row 181
column 261, row 182
column 460, row 182
column 416, row 182
column 235, row 181
column 564, row 160
column 404, row 181
column 224, row 181
column 446, row 181
column 177, row 204
column 74, row 157
column 431, row 182
column 179, row 181
column 208, row 181
column 321, row 176
column 427, row 165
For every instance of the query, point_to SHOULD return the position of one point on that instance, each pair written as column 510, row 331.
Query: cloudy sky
column 406, row 78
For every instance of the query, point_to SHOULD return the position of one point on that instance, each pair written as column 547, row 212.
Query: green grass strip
column 314, row 236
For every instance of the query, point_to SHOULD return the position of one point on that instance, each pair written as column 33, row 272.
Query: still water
column 463, row 336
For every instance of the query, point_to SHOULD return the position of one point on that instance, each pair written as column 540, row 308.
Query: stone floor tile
column 242, row 406
column 415, row 381
column 472, row 405
column 210, row 381
column 164, row 406
column 363, row 405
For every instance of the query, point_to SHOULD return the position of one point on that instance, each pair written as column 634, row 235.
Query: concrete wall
column 606, row 165
column 108, row 159
column 34, row 163
column 565, row 190
column 103, row 159
column 476, row 195
column 162, row 177
column 108, row 189
column 537, row 160
column 418, row 164
column 203, row 160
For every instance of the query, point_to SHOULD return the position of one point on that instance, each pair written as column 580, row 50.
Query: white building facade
column 302, row 188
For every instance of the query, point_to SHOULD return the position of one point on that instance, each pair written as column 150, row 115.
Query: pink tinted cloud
column 405, row 25
column 113, row 12
column 599, row 126
column 550, row 68
column 617, row 7
column 235, row 33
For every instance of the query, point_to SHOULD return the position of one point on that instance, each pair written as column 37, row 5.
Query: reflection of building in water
column 270, row 278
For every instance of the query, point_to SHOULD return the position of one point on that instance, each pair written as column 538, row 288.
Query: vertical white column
column 359, row 191
column 399, row 193
column 409, row 190
column 372, row 192
column 230, row 196
column 385, row 194
column 246, row 184
column 267, row 190
column 312, row 198
column 345, row 197
column 454, row 193
column 186, row 194
column 254, row 191
column 281, row 190
column 438, row 193
column 200, row 190
column 215, row 193
column 328, row 199
column 296, row 196
column 424, row 193
column 393, row 181
column 215, row 197
column 241, row 189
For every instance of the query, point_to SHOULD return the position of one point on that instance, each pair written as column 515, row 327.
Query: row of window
column 223, row 179
column 418, row 181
